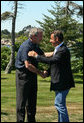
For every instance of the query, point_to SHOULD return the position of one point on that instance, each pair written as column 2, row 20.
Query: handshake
column 43, row 74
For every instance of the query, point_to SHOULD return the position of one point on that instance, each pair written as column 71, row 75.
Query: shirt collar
column 59, row 46
column 31, row 43
column 56, row 48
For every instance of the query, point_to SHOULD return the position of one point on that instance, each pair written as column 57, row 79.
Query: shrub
column 5, row 57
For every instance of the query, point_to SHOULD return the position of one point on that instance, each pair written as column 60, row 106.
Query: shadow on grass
column 79, row 82
column 4, row 113
column 78, row 76
column 45, row 81
column 4, row 78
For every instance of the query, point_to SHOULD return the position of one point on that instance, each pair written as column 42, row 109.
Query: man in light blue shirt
column 57, row 47
column 60, row 71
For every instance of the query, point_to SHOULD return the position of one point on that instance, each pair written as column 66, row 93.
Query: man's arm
column 59, row 57
column 33, row 69
column 30, row 67
column 48, row 54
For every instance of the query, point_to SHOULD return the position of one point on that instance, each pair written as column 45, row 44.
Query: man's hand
column 32, row 54
column 48, row 54
column 44, row 74
column 33, row 69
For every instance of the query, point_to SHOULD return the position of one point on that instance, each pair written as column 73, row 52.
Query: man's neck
column 59, row 44
column 32, row 41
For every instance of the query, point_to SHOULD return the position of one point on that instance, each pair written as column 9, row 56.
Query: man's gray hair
column 34, row 31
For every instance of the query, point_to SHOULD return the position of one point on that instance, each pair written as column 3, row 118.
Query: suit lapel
column 59, row 48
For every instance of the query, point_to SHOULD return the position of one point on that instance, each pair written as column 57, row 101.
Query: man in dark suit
column 60, row 71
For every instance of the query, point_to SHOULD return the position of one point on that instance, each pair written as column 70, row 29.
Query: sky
column 32, row 11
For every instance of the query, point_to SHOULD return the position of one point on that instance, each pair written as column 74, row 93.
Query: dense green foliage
column 72, row 31
column 5, row 56
column 19, row 41
column 77, row 56
column 5, row 34
column 6, row 52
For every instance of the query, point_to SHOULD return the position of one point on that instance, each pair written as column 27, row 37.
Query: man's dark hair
column 59, row 34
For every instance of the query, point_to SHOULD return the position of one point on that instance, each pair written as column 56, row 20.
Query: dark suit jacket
column 60, row 69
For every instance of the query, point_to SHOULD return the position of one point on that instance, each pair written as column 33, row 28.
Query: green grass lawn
column 46, row 111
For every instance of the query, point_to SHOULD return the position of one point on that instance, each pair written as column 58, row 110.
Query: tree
column 73, row 8
column 5, row 31
column 61, row 21
column 5, row 34
column 77, row 55
column 24, row 31
column 77, row 7
column 5, row 16
column 72, row 30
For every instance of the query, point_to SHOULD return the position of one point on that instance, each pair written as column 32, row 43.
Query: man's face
column 37, row 39
column 40, row 36
column 54, row 41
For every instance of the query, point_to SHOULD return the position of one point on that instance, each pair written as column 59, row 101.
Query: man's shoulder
column 63, row 48
column 25, row 44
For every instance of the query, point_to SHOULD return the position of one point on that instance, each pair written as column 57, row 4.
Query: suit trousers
column 26, row 97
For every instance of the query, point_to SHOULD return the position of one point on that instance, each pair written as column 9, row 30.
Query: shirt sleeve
column 24, row 55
